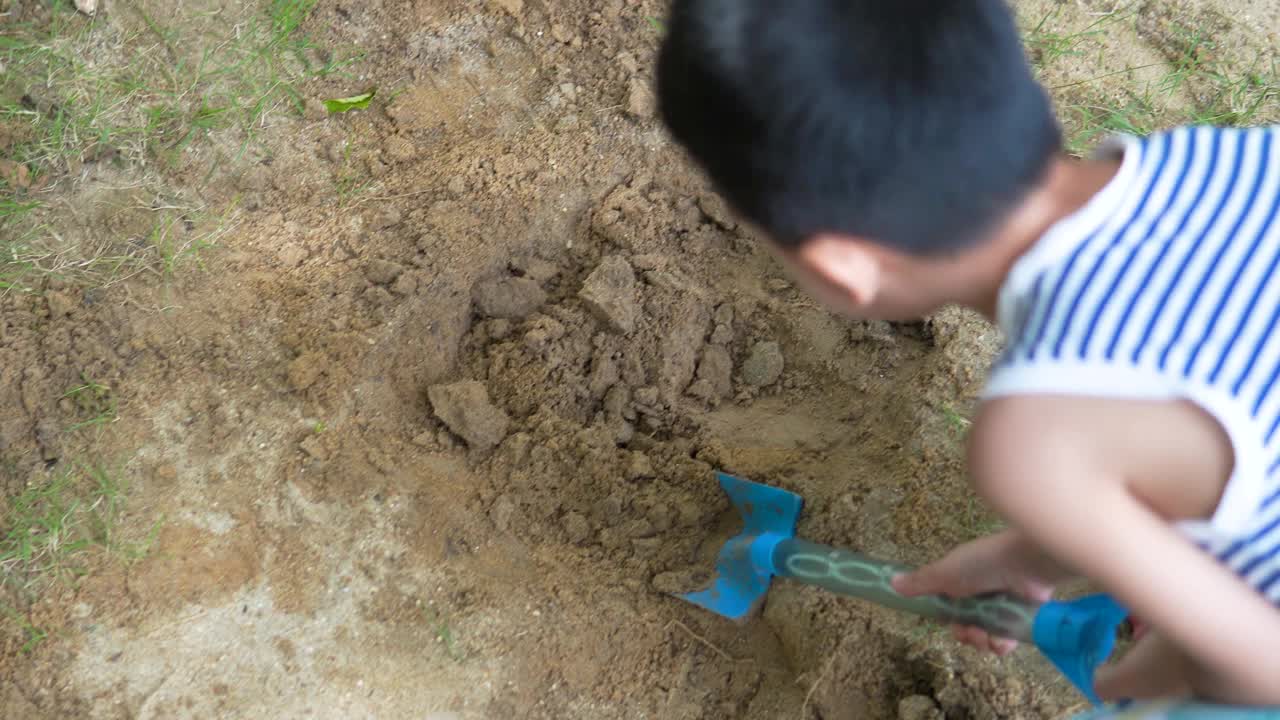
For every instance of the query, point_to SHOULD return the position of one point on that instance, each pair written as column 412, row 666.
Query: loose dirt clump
column 465, row 408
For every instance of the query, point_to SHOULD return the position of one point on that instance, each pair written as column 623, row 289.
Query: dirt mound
column 427, row 421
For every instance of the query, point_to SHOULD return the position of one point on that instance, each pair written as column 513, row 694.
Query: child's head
column 912, row 126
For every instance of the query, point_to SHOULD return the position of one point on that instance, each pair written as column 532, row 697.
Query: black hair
column 916, row 124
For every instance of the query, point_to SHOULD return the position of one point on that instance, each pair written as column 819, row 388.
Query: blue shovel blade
column 741, row 578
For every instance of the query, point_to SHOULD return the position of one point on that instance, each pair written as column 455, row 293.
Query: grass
column 16, row 234
column 442, row 631
column 167, row 86
column 174, row 238
column 142, row 96
column 1047, row 45
column 49, row 527
column 1197, row 86
column 94, row 403
column 50, row 530
column 958, row 423
column 351, row 180
column 1233, row 101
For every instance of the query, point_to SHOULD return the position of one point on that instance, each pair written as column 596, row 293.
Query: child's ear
column 849, row 264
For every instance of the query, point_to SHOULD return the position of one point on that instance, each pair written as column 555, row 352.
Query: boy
column 901, row 157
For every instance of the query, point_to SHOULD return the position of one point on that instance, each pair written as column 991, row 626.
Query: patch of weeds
column 1197, row 88
column 958, row 423
column 1221, row 94
column 152, row 93
column 48, row 532
column 174, row 240
column 350, row 185
column 48, row 528
column 43, row 534
column 12, row 210
column 351, row 181
column 32, row 635
column 93, row 402
column 320, row 427
column 171, row 243
column 1090, row 121
column 107, row 493
column 143, row 96
column 16, row 234
column 442, row 631
column 1046, row 45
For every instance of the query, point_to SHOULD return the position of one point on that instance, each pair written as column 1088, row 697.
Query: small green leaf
column 355, row 102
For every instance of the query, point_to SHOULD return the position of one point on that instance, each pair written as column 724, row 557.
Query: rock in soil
column 610, row 293
column 305, row 370
column 641, row 102
column 919, row 707
column 715, row 372
column 576, row 527
column 515, row 7
column 382, row 272
column 764, row 365
column 465, row 408
column 508, row 298
column 60, row 303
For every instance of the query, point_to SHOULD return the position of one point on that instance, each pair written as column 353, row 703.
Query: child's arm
column 1049, row 466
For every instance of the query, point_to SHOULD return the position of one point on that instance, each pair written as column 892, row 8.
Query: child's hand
column 998, row 563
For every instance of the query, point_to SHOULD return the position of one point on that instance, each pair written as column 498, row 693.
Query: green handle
column 863, row 577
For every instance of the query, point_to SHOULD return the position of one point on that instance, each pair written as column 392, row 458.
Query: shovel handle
column 849, row 573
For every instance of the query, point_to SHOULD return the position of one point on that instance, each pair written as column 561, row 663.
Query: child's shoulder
column 1131, row 282
column 1145, row 237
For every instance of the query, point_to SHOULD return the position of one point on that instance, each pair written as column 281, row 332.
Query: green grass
column 48, row 528
column 175, row 239
column 1232, row 100
column 49, row 532
column 958, row 423
column 352, row 180
column 1195, row 87
column 143, row 95
column 162, row 87
column 1048, row 45
column 94, row 402
column 443, row 633
column 16, row 233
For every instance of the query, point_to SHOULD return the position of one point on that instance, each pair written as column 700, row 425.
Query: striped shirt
column 1165, row 285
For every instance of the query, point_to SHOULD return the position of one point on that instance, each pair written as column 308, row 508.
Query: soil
column 445, row 447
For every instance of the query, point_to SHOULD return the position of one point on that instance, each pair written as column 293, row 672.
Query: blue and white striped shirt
column 1165, row 285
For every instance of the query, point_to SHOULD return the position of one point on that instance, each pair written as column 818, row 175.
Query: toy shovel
column 1076, row 636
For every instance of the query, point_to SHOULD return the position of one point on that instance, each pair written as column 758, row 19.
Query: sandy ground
column 431, row 431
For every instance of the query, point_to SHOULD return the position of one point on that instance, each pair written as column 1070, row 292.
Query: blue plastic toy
column 1076, row 636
